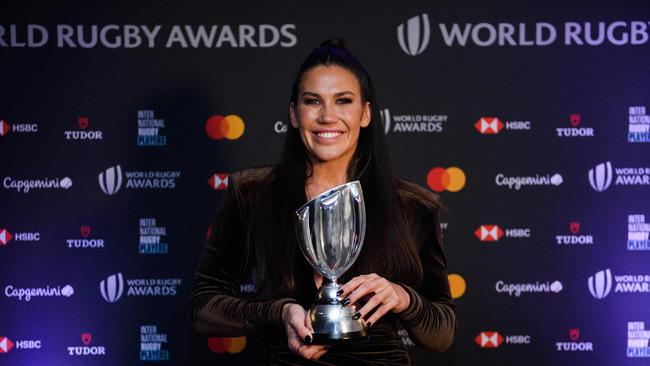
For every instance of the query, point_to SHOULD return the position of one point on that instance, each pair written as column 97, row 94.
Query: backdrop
column 121, row 122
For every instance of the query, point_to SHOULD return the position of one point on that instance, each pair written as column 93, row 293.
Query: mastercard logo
column 449, row 179
column 226, row 344
column 219, row 127
column 457, row 285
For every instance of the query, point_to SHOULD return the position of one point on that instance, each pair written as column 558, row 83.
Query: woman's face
column 329, row 113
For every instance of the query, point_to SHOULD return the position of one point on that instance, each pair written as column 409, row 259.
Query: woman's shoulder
column 415, row 196
column 251, row 178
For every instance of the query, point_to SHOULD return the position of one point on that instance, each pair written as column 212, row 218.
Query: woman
column 399, row 279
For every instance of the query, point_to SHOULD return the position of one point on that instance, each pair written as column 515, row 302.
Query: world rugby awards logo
column 385, row 118
column 415, row 38
column 600, row 177
column 112, row 287
column 110, row 180
column 600, row 284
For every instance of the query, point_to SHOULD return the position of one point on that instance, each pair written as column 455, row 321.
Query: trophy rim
column 327, row 192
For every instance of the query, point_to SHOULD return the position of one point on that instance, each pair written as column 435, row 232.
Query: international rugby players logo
column 414, row 36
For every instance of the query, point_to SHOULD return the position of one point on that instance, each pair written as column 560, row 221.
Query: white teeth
column 328, row 135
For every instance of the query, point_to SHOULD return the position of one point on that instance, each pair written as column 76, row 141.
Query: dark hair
column 388, row 249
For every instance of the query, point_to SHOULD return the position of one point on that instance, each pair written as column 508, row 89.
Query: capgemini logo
column 600, row 177
column 415, row 38
column 110, row 180
column 385, row 118
column 112, row 287
column 600, row 284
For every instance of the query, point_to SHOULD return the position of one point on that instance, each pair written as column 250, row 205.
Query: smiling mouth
column 328, row 134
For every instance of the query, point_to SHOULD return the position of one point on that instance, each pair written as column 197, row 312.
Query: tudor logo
column 83, row 122
column 489, row 233
column 600, row 284
column 85, row 231
column 86, row 338
column 112, row 287
column 489, row 125
column 600, row 177
column 489, row 339
column 574, row 227
column 574, row 334
column 414, row 38
column 110, row 180
column 5, row 236
column 4, row 127
column 218, row 181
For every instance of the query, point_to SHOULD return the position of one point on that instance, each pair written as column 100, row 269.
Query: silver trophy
column 330, row 230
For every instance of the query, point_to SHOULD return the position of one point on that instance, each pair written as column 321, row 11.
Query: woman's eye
column 344, row 101
column 311, row 101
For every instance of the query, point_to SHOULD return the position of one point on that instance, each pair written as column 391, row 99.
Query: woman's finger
column 354, row 283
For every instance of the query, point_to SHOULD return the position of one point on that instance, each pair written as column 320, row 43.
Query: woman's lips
column 326, row 136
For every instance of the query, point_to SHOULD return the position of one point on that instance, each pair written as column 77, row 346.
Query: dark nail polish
column 345, row 302
column 308, row 340
column 356, row 316
column 368, row 324
column 339, row 292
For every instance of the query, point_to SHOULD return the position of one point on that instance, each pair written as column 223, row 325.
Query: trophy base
column 333, row 323
column 336, row 338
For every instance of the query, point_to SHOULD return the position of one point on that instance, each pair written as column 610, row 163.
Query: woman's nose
column 327, row 113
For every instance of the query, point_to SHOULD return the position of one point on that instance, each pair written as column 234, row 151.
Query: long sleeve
column 430, row 318
column 216, row 306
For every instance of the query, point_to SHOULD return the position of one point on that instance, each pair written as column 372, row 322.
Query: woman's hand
column 378, row 292
column 299, row 332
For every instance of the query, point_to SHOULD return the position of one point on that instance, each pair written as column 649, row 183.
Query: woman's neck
column 325, row 176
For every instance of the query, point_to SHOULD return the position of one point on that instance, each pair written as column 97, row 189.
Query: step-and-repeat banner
column 120, row 124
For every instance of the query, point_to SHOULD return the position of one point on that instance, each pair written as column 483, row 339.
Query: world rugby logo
column 600, row 177
column 414, row 38
column 600, row 284
column 110, row 180
column 112, row 287
column 385, row 119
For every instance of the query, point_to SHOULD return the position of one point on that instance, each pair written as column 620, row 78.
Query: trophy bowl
column 330, row 229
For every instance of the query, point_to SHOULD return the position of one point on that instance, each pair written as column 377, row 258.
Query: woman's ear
column 292, row 115
column 366, row 115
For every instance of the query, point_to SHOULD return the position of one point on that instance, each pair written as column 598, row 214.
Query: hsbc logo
column 219, row 181
column 6, row 127
column 413, row 36
column 492, row 233
column 112, row 287
column 600, row 284
column 600, row 177
column 491, row 339
column 7, row 345
column 489, row 125
column 494, row 125
column 6, row 237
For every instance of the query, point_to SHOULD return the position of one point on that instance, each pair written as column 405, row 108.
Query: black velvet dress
column 217, row 308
